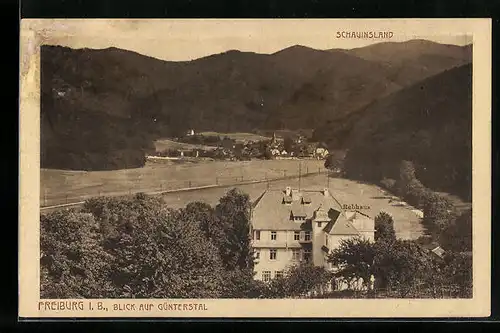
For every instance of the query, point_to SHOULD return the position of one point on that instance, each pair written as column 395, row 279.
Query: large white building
column 291, row 226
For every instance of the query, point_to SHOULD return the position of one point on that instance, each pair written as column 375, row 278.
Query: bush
column 297, row 281
column 457, row 236
column 439, row 212
column 388, row 183
column 384, row 227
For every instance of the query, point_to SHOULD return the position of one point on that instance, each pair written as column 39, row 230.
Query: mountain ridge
column 229, row 91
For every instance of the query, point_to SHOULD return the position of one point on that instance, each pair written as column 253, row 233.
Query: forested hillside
column 429, row 123
column 102, row 108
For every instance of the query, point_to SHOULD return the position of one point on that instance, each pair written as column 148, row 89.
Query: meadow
column 64, row 186
column 406, row 223
column 238, row 137
column 164, row 144
column 60, row 186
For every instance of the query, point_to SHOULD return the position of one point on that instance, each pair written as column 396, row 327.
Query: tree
column 204, row 215
column 384, row 227
column 233, row 214
column 406, row 171
column 439, row 212
column 406, row 176
column 288, row 144
column 457, row 236
column 298, row 280
column 401, row 265
column 73, row 263
column 156, row 252
column 388, row 183
column 333, row 162
column 268, row 155
column 354, row 260
column 459, row 273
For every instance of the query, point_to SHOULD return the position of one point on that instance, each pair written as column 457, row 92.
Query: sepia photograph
column 252, row 159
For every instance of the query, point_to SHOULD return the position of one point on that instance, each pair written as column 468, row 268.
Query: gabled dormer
column 320, row 217
column 306, row 200
column 287, row 200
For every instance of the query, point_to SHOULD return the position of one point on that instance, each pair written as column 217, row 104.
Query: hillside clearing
column 164, row 144
column 238, row 137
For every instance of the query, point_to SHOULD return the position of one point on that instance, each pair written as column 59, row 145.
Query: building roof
column 269, row 213
column 360, row 221
column 300, row 211
column 438, row 251
column 287, row 199
column 340, row 226
column 434, row 248
column 321, row 215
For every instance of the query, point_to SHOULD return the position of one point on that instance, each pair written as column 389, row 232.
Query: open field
column 406, row 222
column 239, row 137
column 63, row 186
column 164, row 144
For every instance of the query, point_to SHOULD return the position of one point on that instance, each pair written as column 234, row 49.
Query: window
column 257, row 234
column 278, row 274
column 326, row 240
column 296, row 235
column 273, row 254
column 257, row 254
column 308, row 236
column 307, row 255
column 319, row 224
column 266, row 276
column 273, row 235
column 296, row 254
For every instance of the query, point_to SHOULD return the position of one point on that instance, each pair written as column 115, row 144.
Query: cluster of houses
column 298, row 148
column 230, row 149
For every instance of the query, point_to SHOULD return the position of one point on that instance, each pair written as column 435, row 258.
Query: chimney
column 325, row 192
column 288, row 191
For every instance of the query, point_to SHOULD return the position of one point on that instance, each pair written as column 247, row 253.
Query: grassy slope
column 164, row 144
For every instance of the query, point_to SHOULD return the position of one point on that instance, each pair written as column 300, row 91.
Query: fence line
column 413, row 292
column 182, row 186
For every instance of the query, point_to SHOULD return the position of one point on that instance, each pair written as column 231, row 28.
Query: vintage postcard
column 333, row 168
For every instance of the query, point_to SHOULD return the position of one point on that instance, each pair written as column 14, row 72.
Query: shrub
column 384, row 227
column 388, row 183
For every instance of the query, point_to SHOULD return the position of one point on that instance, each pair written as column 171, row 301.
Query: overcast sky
column 179, row 40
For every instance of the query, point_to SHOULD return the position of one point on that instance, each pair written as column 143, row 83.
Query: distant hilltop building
column 190, row 132
column 291, row 226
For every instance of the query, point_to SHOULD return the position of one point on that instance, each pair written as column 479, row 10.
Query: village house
column 321, row 153
column 275, row 152
column 291, row 226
